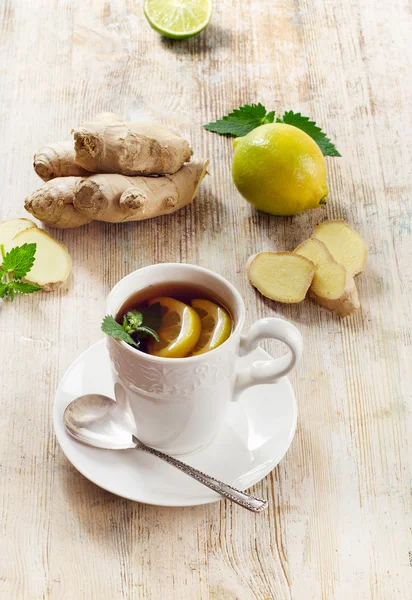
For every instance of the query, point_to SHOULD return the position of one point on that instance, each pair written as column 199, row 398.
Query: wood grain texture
column 339, row 522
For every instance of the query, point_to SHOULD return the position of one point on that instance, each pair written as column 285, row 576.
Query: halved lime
column 178, row 19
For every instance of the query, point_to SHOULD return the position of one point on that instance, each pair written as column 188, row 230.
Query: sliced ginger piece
column 315, row 250
column 10, row 228
column 52, row 263
column 281, row 276
column 334, row 287
column 346, row 246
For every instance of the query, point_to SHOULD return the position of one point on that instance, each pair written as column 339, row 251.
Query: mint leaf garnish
column 3, row 289
column 310, row 127
column 132, row 321
column 16, row 264
column 23, row 287
column 144, row 331
column 19, row 260
column 242, row 120
column 111, row 327
column 140, row 324
column 152, row 315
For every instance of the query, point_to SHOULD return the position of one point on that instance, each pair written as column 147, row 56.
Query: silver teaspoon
column 99, row 421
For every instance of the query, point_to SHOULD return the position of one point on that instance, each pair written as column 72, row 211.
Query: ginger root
column 57, row 160
column 345, row 245
column 10, row 228
column 53, row 204
column 117, row 198
column 100, row 175
column 107, row 144
column 281, row 276
column 52, row 264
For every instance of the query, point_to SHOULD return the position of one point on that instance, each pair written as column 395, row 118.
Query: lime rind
column 178, row 19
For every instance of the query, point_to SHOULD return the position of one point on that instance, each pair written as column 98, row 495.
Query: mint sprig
column 310, row 127
column 244, row 119
column 133, row 325
column 15, row 265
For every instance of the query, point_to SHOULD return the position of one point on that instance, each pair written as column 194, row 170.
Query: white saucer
column 257, row 433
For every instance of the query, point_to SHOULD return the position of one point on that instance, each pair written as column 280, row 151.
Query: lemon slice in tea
column 178, row 19
column 179, row 329
column 216, row 326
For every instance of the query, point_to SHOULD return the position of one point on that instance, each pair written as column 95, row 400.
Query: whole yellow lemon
column 280, row 170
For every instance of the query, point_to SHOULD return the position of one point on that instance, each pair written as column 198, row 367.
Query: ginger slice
column 10, row 228
column 281, row 276
column 334, row 287
column 52, row 264
column 346, row 246
column 314, row 250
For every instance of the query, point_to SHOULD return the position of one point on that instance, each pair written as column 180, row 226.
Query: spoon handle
column 242, row 498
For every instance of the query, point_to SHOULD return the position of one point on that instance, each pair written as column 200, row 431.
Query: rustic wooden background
column 339, row 521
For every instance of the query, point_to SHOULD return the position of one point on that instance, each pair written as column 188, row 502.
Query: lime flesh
column 178, row 19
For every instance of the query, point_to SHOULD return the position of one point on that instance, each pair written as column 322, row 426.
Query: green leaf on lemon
column 310, row 127
column 244, row 119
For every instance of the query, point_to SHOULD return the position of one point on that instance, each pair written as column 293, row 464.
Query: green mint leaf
column 143, row 331
column 310, row 127
column 133, row 324
column 19, row 260
column 132, row 321
column 111, row 327
column 25, row 288
column 152, row 316
column 242, row 120
column 4, row 290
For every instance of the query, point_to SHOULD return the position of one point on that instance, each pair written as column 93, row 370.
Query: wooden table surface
column 339, row 523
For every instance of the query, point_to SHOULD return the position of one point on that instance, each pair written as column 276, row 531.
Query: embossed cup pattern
column 176, row 378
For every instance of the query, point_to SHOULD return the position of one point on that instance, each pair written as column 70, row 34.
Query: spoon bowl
column 99, row 421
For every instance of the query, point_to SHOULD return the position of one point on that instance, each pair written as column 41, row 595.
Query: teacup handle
column 268, row 371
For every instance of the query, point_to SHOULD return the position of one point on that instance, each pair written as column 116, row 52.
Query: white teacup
column 180, row 404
